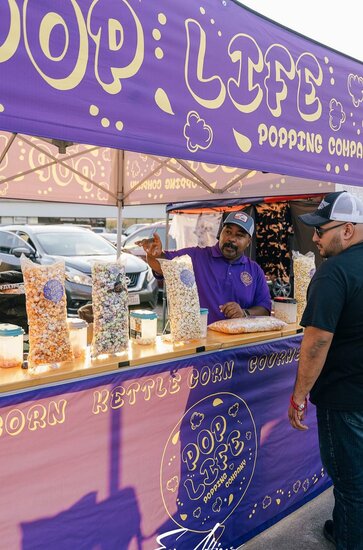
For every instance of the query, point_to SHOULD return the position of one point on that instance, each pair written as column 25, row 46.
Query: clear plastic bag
column 110, row 308
column 247, row 324
column 304, row 269
column 183, row 299
column 46, row 307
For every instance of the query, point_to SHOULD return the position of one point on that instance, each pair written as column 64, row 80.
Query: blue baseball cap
column 242, row 219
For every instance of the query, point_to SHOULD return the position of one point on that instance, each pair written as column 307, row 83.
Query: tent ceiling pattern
column 32, row 168
column 149, row 180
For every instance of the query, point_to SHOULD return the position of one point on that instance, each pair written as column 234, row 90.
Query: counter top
column 13, row 379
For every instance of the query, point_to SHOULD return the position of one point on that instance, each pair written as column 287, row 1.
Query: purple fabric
column 220, row 281
column 158, row 457
column 213, row 83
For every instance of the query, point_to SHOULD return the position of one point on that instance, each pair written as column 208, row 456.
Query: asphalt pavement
column 301, row 530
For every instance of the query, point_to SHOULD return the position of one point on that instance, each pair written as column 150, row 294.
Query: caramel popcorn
column 46, row 307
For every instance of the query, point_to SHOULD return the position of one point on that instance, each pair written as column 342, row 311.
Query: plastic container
column 78, row 337
column 11, row 345
column 285, row 309
column 203, row 321
column 143, row 326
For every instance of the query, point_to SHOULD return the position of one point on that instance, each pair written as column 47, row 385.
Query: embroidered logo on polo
column 246, row 278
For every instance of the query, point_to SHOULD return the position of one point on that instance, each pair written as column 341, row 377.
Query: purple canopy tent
column 215, row 84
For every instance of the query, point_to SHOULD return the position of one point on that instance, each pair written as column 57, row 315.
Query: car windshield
column 74, row 244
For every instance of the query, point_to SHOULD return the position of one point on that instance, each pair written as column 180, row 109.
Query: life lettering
column 257, row 77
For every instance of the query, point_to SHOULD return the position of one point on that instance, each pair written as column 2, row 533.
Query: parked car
column 110, row 237
column 78, row 247
column 146, row 233
column 133, row 227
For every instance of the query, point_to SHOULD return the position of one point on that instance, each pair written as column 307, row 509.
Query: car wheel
column 281, row 288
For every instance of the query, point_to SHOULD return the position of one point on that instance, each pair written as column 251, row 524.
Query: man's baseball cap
column 243, row 220
column 340, row 206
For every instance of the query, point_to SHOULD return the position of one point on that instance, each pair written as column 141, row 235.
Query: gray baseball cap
column 242, row 219
column 339, row 206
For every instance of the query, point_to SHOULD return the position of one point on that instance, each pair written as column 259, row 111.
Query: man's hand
column 296, row 419
column 232, row 310
column 152, row 247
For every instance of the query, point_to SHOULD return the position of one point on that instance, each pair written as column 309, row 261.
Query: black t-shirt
column 335, row 304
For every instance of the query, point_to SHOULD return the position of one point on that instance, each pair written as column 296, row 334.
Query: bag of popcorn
column 46, row 307
column 110, row 308
column 304, row 269
column 242, row 325
column 183, row 299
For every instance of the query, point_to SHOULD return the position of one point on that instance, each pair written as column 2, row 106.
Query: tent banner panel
column 209, row 82
column 33, row 169
column 144, row 183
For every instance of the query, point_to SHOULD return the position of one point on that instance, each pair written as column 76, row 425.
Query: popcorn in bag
column 247, row 324
column 110, row 308
column 304, row 269
column 183, row 299
column 46, row 307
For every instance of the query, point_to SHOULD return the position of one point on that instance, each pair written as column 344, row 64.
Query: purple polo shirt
column 220, row 281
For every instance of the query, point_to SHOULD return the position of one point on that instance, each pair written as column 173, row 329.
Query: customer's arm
column 313, row 353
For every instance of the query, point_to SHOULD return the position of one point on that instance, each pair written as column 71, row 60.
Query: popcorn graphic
column 217, row 505
column 172, row 484
column 337, row 115
column 233, row 411
column 197, row 133
column 196, row 420
column 355, row 88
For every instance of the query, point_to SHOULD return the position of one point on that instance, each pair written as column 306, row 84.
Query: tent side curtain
column 214, row 84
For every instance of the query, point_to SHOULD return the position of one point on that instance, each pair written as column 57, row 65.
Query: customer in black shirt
column 331, row 360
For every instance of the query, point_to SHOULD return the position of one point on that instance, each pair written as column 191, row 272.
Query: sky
column 340, row 28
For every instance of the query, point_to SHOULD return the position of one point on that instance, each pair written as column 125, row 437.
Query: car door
column 9, row 241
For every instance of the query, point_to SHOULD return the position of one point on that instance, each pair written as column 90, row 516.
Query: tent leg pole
column 119, row 228
column 164, row 287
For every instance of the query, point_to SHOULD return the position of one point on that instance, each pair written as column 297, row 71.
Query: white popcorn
column 183, row 299
column 242, row 325
column 110, row 308
column 304, row 269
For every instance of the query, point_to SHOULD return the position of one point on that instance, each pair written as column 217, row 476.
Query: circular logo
column 187, row 277
column 53, row 290
column 246, row 278
column 208, row 462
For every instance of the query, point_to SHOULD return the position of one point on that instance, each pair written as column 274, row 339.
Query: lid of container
column 285, row 300
column 203, row 310
column 6, row 329
column 143, row 314
column 75, row 324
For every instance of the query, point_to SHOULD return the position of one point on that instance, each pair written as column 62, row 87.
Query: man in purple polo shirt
column 229, row 284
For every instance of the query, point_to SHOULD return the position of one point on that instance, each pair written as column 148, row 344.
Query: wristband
column 247, row 313
column 300, row 408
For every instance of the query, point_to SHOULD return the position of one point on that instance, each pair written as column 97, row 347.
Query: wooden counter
column 137, row 355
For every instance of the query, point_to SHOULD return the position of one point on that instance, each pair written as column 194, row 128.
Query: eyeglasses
column 320, row 231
